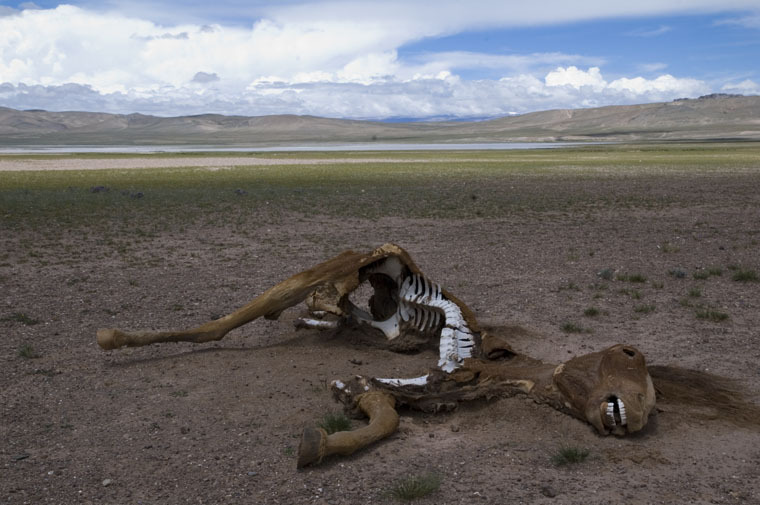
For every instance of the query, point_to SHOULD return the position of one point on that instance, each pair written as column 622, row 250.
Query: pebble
column 107, row 482
column 548, row 491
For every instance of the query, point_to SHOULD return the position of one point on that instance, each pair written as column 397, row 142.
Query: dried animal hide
column 610, row 389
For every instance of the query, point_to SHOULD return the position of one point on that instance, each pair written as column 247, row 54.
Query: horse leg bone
column 340, row 272
column 378, row 406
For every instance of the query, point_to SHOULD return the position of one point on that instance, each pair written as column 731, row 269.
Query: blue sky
column 372, row 59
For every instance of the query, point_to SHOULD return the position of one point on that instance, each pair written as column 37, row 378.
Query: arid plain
column 657, row 246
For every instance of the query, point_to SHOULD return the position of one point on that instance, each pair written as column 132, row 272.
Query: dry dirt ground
column 220, row 422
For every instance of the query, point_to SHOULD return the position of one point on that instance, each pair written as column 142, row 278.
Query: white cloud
column 447, row 16
column 334, row 59
column 432, row 63
column 205, row 77
column 652, row 67
column 663, row 86
column 576, row 78
column 745, row 87
column 650, row 32
column 441, row 95
column 747, row 21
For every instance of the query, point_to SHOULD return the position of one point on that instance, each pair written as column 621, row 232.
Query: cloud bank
column 340, row 60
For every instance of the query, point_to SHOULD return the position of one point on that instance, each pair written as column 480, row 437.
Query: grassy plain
column 457, row 184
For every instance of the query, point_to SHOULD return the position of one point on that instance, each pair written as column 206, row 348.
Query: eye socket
column 629, row 352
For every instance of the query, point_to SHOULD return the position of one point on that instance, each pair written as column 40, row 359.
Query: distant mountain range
column 712, row 117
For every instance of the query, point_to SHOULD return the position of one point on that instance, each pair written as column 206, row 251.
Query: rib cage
column 419, row 317
column 457, row 341
column 422, row 306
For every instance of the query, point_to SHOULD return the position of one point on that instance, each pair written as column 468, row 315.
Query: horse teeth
column 621, row 407
column 611, row 413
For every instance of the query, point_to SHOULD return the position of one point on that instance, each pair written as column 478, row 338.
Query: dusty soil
column 220, row 422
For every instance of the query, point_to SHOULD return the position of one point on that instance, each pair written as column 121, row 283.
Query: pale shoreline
column 147, row 162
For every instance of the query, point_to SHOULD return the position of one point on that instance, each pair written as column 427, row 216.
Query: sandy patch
column 10, row 164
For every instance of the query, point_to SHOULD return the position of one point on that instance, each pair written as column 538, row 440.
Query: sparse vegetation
column 26, row 351
column 633, row 293
column 569, row 327
column 591, row 312
column 20, row 317
column 416, row 486
column 229, row 248
column 695, row 292
column 334, row 422
column 637, row 278
column 569, row 286
column 701, row 275
column 569, row 456
column 744, row 275
column 644, row 309
column 712, row 315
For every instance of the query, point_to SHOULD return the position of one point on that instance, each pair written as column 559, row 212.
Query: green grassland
column 455, row 184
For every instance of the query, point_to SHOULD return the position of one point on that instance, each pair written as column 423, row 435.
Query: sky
column 369, row 59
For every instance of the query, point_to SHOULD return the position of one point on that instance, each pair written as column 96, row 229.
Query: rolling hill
column 713, row 117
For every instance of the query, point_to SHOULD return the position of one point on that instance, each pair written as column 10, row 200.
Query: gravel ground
column 220, row 422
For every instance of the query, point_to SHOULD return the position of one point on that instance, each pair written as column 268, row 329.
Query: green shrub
column 20, row 317
column 26, row 351
column 569, row 327
column 632, row 278
column 644, row 309
column 712, row 315
column 334, row 422
column 569, row 456
column 742, row 275
column 416, row 486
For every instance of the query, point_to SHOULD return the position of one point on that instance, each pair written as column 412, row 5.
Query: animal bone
column 610, row 389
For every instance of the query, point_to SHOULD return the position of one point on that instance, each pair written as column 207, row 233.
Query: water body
column 305, row 148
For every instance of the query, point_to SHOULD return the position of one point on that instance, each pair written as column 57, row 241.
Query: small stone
column 455, row 428
column 107, row 482
column 253, row 474
column 548, row 491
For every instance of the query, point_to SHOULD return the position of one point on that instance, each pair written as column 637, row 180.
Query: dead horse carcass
column 611, row 389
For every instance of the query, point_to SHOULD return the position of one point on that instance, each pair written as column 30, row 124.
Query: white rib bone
column 317, row 324
column 421, row 303
column 417, row 381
